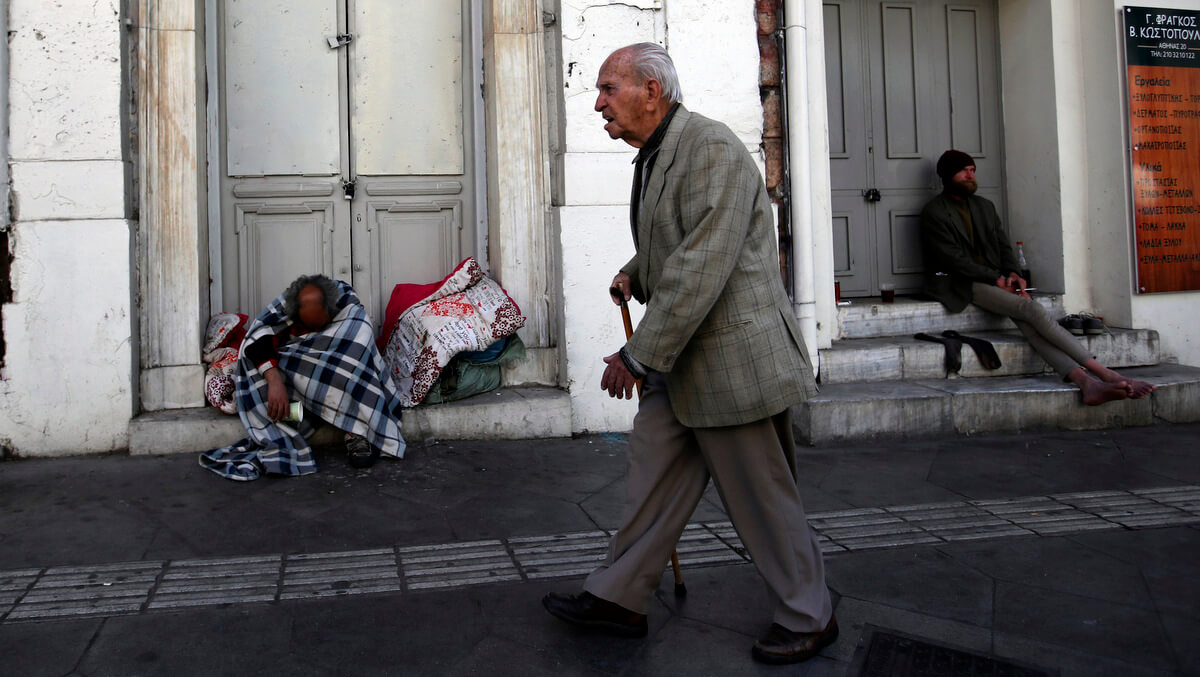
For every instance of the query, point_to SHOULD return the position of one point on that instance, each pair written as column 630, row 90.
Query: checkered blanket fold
column 339, row 376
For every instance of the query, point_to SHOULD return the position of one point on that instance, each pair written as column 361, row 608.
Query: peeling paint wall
column 715, row 48
column 65, row 386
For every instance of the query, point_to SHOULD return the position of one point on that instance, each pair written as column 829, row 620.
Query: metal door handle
column 872, row 195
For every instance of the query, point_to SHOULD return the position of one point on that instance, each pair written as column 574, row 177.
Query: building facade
column 169, row 159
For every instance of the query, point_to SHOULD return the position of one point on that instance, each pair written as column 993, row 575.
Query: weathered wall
column 721, row 83
column 1097, row 214
column 65, row 386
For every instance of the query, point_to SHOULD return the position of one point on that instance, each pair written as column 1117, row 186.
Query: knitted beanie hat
column 952, row 162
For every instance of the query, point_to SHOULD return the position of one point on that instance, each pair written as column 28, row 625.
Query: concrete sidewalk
column 1072, row 552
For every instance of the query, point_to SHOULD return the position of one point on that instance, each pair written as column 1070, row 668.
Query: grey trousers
column 1061, row 350
column 754, row 468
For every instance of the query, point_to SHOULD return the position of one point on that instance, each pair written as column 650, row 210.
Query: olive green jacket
column 950, row 268
column 718, row 322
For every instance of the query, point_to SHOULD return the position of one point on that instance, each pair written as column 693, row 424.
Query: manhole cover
column 890, row 654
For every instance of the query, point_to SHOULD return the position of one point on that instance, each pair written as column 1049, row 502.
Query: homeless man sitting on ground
column 316, row 342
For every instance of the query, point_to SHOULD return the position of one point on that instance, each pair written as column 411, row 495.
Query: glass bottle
column 1023, row 265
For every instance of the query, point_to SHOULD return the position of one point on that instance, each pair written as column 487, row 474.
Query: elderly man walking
column 722, row 361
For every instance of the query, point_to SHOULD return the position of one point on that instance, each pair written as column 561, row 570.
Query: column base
column 176, row 387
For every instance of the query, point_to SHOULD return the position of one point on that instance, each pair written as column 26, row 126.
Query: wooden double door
column 346, row 144
column 905, row 81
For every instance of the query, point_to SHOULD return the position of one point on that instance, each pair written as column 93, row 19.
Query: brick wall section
column 767, row 13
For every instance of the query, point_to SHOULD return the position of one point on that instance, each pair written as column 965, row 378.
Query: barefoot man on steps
column 968, row 260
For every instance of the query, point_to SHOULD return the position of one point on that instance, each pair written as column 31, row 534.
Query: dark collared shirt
column 643, row 164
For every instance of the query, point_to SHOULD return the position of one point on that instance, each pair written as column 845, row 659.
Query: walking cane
column 680, row 589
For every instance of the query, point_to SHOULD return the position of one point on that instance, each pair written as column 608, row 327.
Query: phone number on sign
column 1172, row 55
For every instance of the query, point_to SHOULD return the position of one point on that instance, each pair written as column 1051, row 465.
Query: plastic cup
column 295, row 412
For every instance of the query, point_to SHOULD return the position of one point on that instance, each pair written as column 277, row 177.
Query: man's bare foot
column 1141, row 389
column 1098, row 392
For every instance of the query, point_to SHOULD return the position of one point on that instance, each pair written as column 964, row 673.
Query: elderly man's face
column 963, row 183
column 630, row 109
column 311, row 302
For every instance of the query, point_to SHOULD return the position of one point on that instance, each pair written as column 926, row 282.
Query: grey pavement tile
column 519, row 513
column 516, row 613
column 729, row 597
column 420, row 634
column 900, row 477
column 605, row 507
column 685, row 648
column 1056, row 564
column 495, row 655
column 854, row 614
column 1070, row 662
column 921, row 579
column 1182, row 632
column 1085, row 624
column 45, row 649
column 1166, row 557
column 989, row 467
column 200, row 642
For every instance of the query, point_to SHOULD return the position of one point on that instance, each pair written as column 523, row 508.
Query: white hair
column 651, row 62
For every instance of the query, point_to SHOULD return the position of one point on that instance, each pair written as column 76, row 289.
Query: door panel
column 906, row 81
column 845, row 73
column 275, row 240
column 966, row 97
column 414, row 208
column 904, row 241
column 393, row 226
column 281, row 85
column 407, row 93
column 901, row 115
column 851, row 218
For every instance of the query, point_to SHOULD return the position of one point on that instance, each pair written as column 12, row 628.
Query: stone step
column 869, row 318
column 526, row 412
column 922, row 407
column 903, row 357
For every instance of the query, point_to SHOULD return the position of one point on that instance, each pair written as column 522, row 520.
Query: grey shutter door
column 906, row 81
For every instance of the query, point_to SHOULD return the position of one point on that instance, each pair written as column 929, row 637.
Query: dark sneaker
column 1092, row 326
column 589, row 611
column 781, row 645
column 1073, row 324
column 359, row 451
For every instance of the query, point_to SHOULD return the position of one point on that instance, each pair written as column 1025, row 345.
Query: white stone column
column 66, row 384
column 169, row 240
column 518, row 177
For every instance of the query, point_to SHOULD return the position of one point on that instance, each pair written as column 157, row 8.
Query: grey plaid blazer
column 718, row 322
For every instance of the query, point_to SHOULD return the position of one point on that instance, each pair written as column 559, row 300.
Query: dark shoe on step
column 586, row 610
column 781, row 645
column 1092, row 326
column 1073, row 324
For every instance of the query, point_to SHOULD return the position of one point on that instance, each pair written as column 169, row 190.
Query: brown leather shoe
column 589, row 611
column 781, row 645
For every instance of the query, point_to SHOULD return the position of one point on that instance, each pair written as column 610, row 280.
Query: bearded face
column 963, row 183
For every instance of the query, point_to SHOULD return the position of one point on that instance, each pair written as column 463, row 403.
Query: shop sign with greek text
column 1162, row 64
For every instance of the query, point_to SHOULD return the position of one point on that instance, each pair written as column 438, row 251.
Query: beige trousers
column 1057, row 346
column 754, row 468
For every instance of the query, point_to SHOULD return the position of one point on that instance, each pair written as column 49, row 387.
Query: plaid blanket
column 337, row 373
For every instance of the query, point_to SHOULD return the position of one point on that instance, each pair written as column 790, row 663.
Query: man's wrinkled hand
column 623, row 284
column 617, row 380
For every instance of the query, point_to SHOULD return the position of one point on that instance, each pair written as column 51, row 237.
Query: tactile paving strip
column 139, row 587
